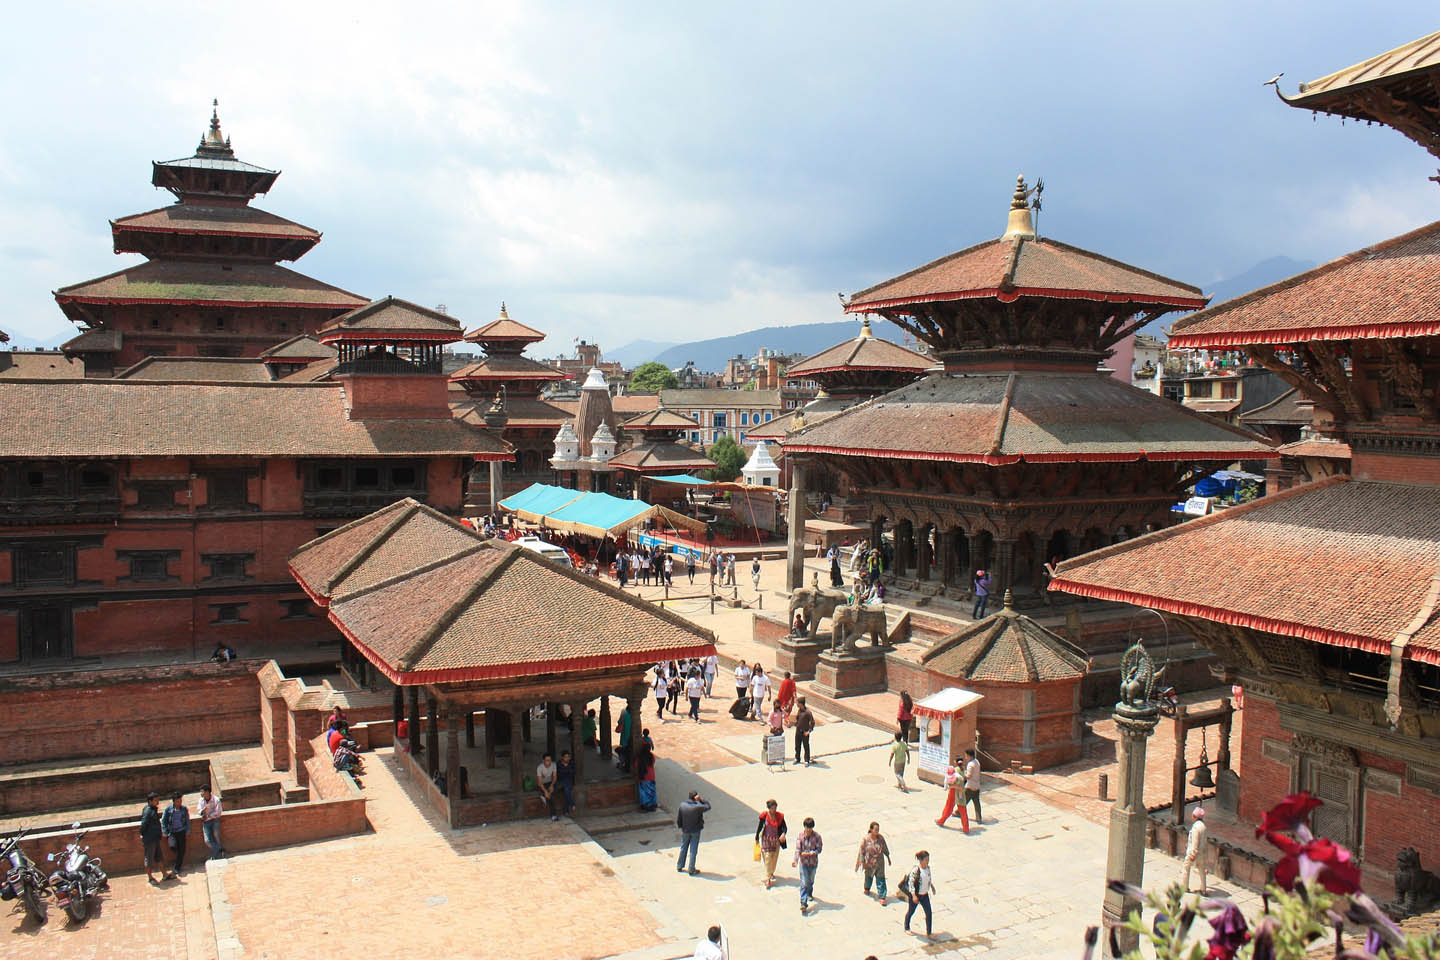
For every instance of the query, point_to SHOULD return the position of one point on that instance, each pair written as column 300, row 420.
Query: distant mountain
column 637, row 352
column 1262, row 274
column 18, row 341
column 802, row 338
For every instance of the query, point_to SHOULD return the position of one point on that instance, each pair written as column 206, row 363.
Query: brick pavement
column 133, row 919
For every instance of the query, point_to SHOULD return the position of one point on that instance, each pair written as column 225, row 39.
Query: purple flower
column 1231, row 932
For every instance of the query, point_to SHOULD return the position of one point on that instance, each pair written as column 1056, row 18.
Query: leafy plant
column 652, row 377
column 729, row 458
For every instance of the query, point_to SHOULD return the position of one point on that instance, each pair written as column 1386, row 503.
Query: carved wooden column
column 904, row 541
column 577, row 745
column 399, row 707
column 922, row 552
column 634, row 703
column 795, row 536
column 432, row 738
column 452, row 763
column 550, row 708
column 1004, row 566
column 469, row 728
column 948, row 542
column 415, row 721
column 606, row 729
column 517, row 759
column 976, row 542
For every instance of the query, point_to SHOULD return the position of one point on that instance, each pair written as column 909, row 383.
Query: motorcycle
column 78, row 878
column 23, row 879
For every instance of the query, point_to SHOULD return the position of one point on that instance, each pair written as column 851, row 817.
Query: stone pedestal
column 851, row 674
column 1126, row 858
column 799, row 656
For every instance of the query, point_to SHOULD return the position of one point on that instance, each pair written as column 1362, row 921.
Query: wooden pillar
column 577, row 746
column 634, row 704
column 1177, row 772
column 497, row 727
column 1222, row 758
column 606, row 729
column 948, row 542
column 432, row 738
column 469, row 728
column 517, row 759
column 525, row 723
column 1004, row 567
column 452, row 762
column 415, row 722
column 550, row 707
column 795, row 535
column 904, row 537
column 399, row 710
column 877, row 532
column 922, row 553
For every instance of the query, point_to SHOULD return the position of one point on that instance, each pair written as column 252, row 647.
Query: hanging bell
column 1203, row 778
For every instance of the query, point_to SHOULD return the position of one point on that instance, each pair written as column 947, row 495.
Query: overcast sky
column 673, row 171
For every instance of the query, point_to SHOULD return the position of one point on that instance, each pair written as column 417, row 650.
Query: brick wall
column 1393, row 810
column 45, row 792
column 1392, row 469
column 101, row 713
column 262, row 828
column 1263, row 781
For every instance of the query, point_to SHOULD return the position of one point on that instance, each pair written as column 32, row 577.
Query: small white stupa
column 602, row 444
column 760, row 470
column 567, row 448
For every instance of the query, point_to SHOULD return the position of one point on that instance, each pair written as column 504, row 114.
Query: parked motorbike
column 78, row 878
column 23, row 879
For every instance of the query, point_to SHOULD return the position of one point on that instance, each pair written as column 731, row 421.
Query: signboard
column 775, row 749
column 1197, row 506
column 935, row 751
column 680, row 549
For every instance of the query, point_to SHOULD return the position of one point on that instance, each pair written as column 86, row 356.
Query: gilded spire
column 214, row 143
column 865, row 333
column 1020, row 224
column 503, row 314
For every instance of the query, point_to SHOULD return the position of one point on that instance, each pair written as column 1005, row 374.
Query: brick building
column 1325, row 609
column 155, row 517
column 211, row 284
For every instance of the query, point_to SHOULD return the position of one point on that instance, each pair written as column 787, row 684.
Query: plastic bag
column 757, row 852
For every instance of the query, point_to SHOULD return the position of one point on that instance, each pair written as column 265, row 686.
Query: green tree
column 652, row 377
column 729, row 458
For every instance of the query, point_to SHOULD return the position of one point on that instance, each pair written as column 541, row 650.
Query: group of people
column 344, row 751
column 641, row 565
column 695, row 678
column 163, row 828
column 556, row 784
column 753, row 686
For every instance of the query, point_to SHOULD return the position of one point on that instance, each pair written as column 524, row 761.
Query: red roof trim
column 1009, row 296
column 1335, row 638
column 314, row 235
column 68, row 298
column 384, row 336
column 857, row 368
column 532, row 375
column 1359, row 331
column 1007, row 459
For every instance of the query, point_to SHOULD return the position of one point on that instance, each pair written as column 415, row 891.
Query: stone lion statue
column 850, row 623
column 1416, row 890
column 816, row 602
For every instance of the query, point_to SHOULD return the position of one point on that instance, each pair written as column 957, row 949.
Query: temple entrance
column 45, row 632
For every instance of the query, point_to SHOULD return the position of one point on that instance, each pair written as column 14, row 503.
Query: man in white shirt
column 694, row 689
column 545, row 781
column 210, row 821
column 1195, row 849
column 711, row 948
column 712, row 667
column 972, row 781
column 742, row 680
column 759, row 687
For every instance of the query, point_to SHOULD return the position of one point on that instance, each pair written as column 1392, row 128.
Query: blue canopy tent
column 592, row 514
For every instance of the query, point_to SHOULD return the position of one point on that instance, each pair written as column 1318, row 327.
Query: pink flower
column 1289, row 814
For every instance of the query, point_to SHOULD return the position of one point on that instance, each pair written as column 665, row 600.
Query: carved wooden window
column 1229, row 390
column 96, row 480
column 228, row 612
column 44, row 564
column 148, row 566
column 1200, row 389
column 154, row 495
column 39, row 480
column 1355, row 669
column 296, row 609
column 227, row 566
column 227, row 490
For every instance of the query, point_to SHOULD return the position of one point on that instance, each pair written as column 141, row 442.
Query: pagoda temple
column 1018, row 449
column 1326, row 608
column 211, row 284
column 651, row 447
column 505, row 374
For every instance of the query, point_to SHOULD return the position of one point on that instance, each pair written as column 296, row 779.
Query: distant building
column 588, row 357
column 720, row 412
column 690, row 377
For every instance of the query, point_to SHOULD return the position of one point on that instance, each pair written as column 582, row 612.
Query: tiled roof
column 1417, row 56
column 1211, row 406
column 507, row 367
column 393, row 317
column 719, row 398
column 504, row 329
column 302, row 347
column 217, row 369
column 314, row 371
column 94, row 341
column 429, row 601
column 519, row 411
column 1000, row 418
column 817, row 411
column 4, row 337
column 1006, row 647
column 1389, row 290
column 243, row 221
column 659, row 419
column 1315, row 447
column 662, row 456
column 1290, row 407
column 39, row 364
column 143, row 418
column 1339, row 561
column 627, row 405
column 194, row 281
column 862, row 353
column 1020, row 266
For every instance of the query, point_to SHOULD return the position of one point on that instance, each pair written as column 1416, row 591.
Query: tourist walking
column 690, row 567
column 804, row 723
column 712, row 667
column 917, row 889
column 837, row 579
column 730, row 570
column 210, row 821
column 982, row 594
column 695, row 689
column 785, row 695
column 770, row 838
column 807, row 859
column 954, row 779
column 1195, row 849
column 175, row 825
column 874, row 854
column 690, row 818
column 673, row 687
column 759, row 689
column 755, row 573
column 972, row 781
column 152, row 838
column 669, row 570
column 899, row 757
column 905, row 716
column 661, row 691
column 742, row 680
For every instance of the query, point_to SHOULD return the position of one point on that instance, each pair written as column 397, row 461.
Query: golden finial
column 503, row 314
column 865, row 333
column 799, row 422
column 1009, row 600
column 1020, row 224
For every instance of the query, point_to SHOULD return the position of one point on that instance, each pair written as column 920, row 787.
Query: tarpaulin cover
column 594, row 514
column 681, row 478
column 538, row 500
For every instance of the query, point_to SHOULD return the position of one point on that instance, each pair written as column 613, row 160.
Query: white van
column 550, row 551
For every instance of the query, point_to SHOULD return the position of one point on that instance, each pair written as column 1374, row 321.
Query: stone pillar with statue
column 1136, row 715
column 795, row 535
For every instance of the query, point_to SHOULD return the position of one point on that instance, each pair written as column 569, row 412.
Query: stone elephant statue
column 852, row 622
column 817, row 603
